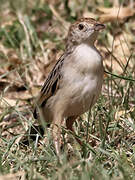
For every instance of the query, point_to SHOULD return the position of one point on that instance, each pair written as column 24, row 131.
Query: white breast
column 84, row 63
column 82, row 78
column 87, row 57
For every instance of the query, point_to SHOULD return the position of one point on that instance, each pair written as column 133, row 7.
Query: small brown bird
column 75, row 82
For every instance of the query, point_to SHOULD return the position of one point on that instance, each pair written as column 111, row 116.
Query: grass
column 31, row 40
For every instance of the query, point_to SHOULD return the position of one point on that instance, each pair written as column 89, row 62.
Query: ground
column 32, row 38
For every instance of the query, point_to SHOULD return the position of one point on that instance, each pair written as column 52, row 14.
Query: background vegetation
column 32, row 37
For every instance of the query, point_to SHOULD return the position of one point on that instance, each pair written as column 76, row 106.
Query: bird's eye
column 80, row 26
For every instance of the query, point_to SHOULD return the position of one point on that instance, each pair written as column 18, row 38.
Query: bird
column 75, row 82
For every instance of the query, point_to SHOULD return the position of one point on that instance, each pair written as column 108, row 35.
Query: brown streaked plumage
column 75, row 82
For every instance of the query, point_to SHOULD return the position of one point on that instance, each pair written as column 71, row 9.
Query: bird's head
column 84, row 30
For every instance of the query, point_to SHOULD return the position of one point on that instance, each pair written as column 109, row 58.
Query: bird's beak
column 99, row 26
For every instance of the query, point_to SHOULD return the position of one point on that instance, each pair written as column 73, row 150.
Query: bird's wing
column 51, row 84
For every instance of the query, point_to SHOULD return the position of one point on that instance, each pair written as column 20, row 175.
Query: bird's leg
column 69, row 125
column 56, row 132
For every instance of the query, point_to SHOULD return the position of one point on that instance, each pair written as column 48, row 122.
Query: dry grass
column 32, row 36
